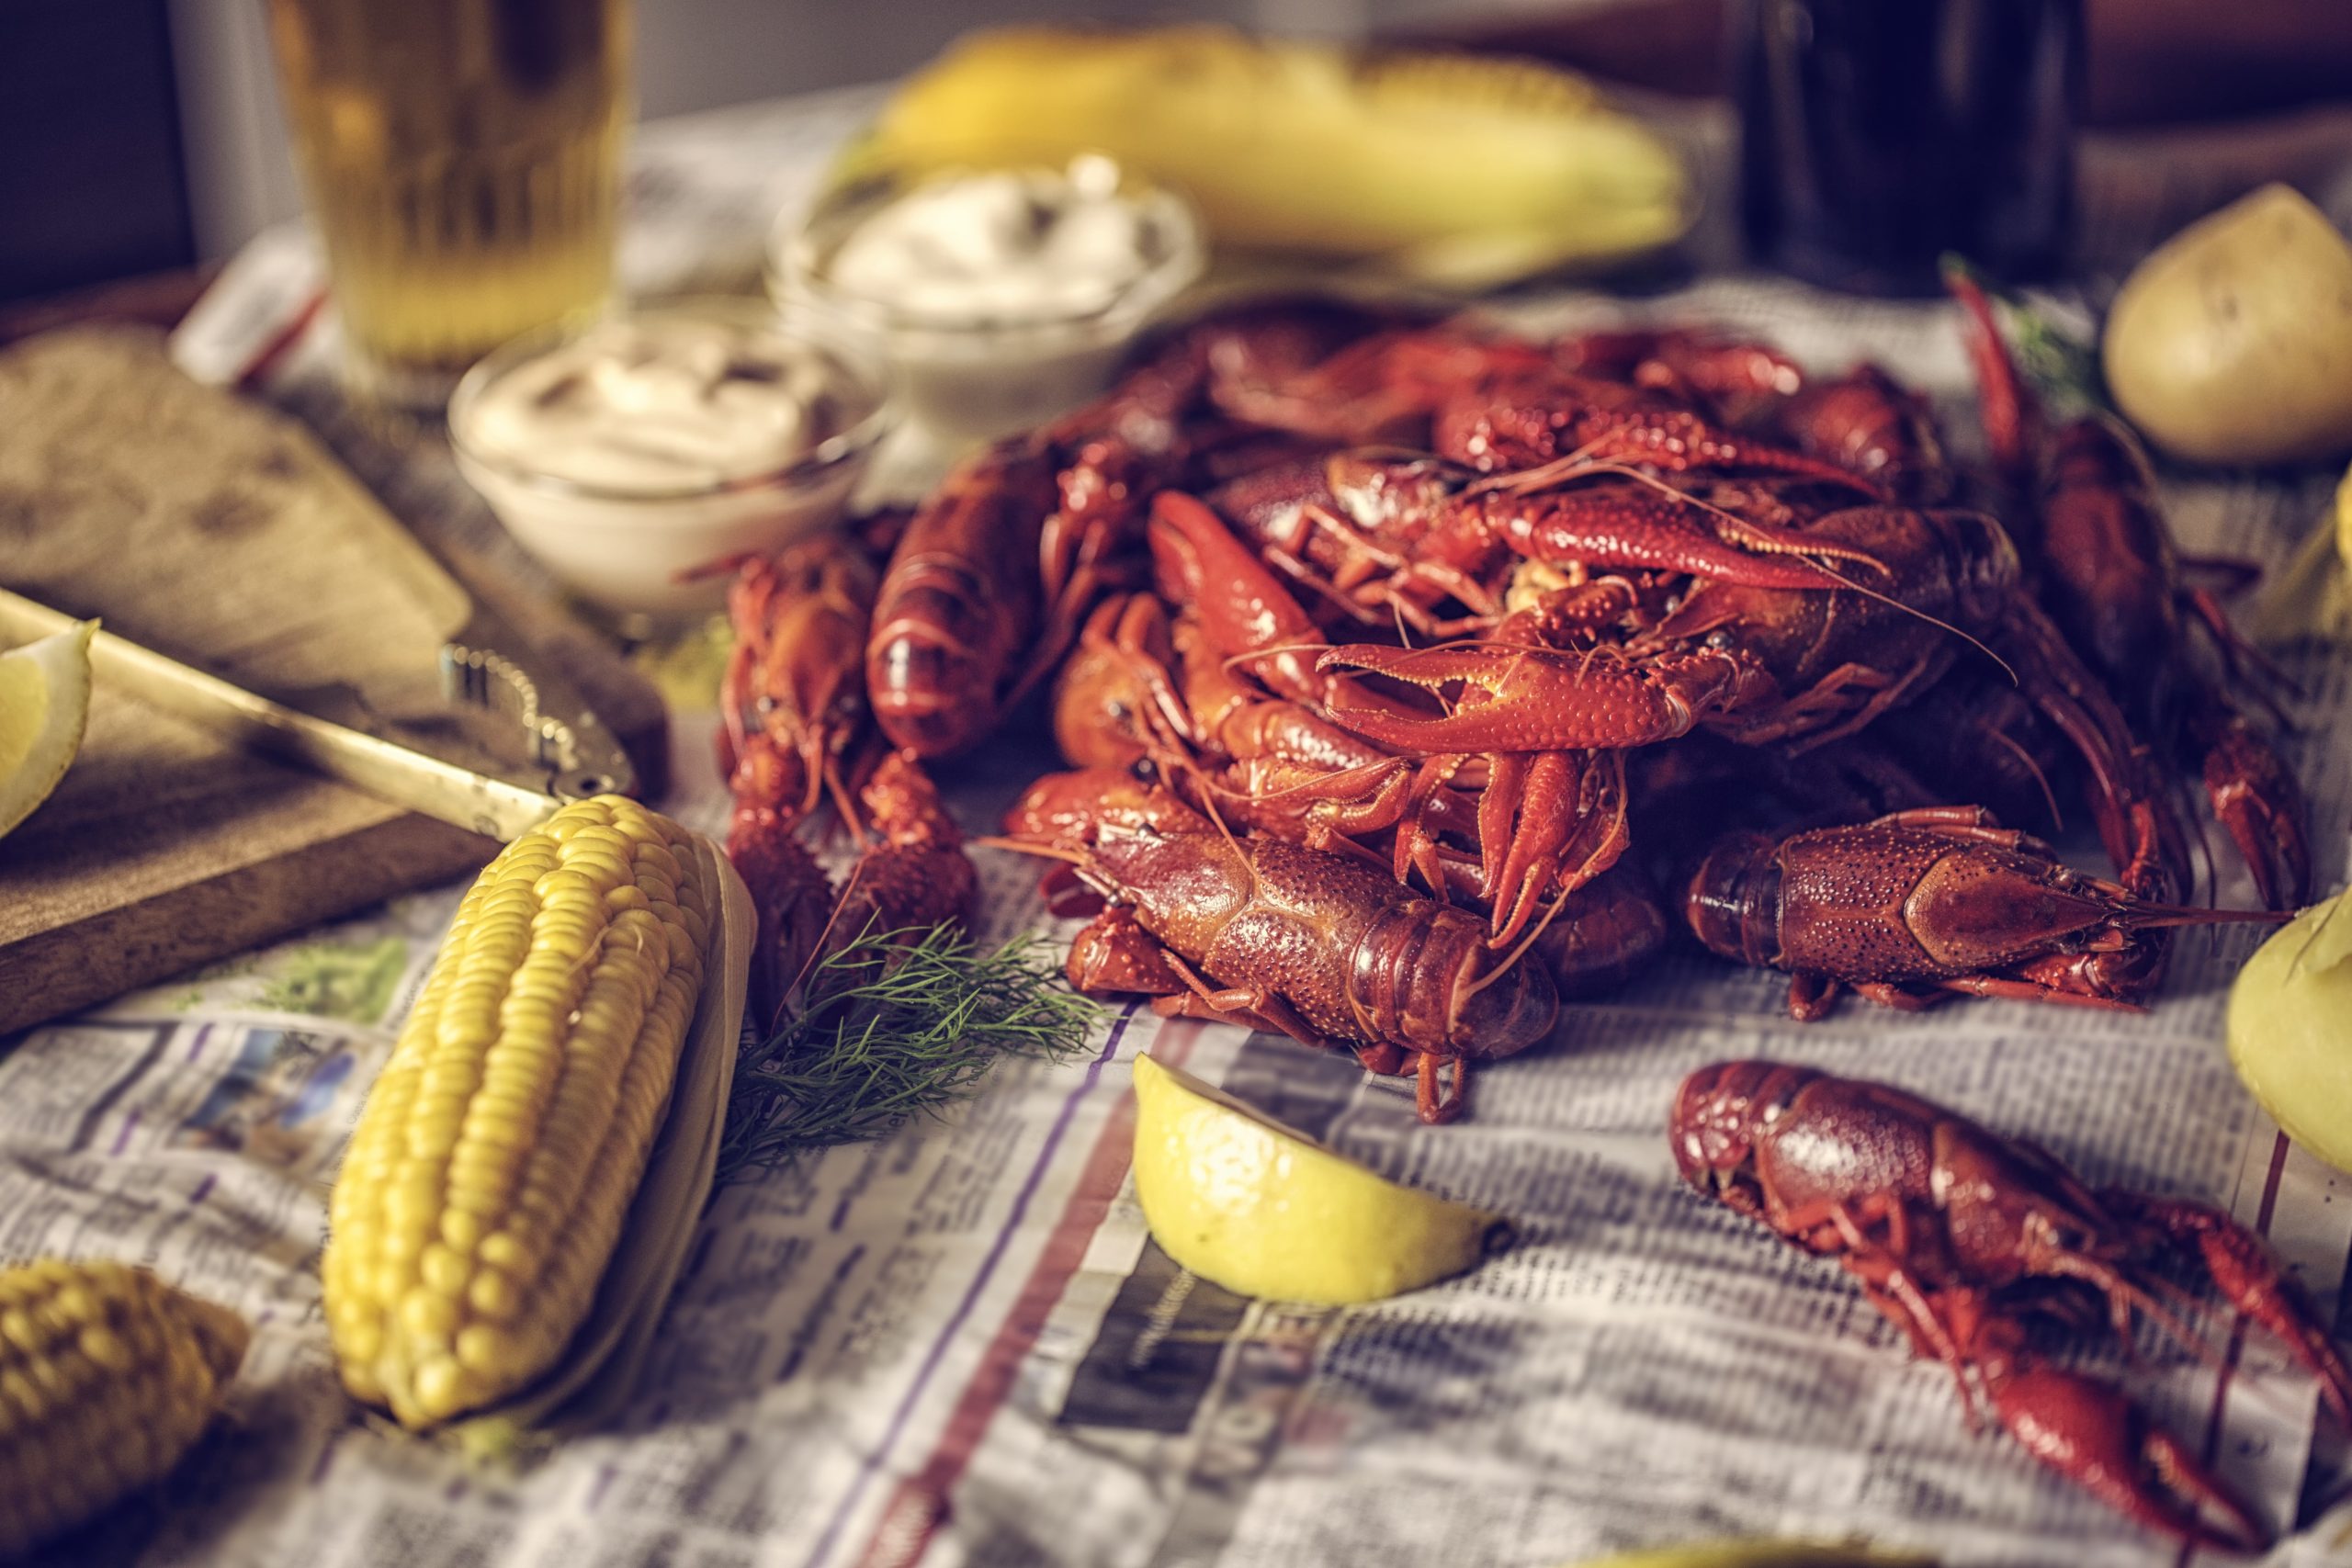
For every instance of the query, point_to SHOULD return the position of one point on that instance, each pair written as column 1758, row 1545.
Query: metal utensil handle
column 501, row 808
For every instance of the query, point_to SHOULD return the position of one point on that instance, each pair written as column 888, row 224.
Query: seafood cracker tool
column 568, row 753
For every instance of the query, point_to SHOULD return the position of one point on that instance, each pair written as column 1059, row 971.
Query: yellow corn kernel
column 497, row 1156
column 107, row 1376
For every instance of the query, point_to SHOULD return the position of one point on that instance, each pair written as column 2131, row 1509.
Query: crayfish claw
column 2258, row 804
column 2248, row 1277
column 2090, row 1434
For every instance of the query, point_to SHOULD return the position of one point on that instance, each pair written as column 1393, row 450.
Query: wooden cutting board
column 221, row 533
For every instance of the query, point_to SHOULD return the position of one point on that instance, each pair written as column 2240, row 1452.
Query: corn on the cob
column 107, row 1376
column 494, row 1162
column 1456, row 170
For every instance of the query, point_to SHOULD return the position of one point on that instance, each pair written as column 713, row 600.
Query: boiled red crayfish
column 799, row 620
column 1433, row 663
column 1272, row 934
column 2113, row 581
column 793, row 709
column 1768, row 666
column 1545, row 824
column 996, row 571
column 1968, row 1241
column 1924, row 904
column 789, row 707
column 913, row 873
column 1381, row 535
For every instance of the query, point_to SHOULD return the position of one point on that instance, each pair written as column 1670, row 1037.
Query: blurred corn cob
column 107, row 1376
column 1454, row 170
column 488, row 1178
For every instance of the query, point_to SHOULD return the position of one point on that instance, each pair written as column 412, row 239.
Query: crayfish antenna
column 843, row 801
column 1028, row 847
column 2033, row 770
column 2160, row 917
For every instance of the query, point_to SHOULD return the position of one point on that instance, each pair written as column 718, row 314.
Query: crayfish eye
column 1119, row 711
column 1718, row 640
column 1144, row 769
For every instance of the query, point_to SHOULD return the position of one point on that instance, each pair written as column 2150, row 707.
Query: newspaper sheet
column 960, row 1346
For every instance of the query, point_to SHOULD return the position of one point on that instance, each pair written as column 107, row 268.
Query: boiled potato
column 2232, row 342
column 2290, row 1029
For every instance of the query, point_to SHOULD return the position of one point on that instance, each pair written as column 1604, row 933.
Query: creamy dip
column 1020, row 247
column 657, row 404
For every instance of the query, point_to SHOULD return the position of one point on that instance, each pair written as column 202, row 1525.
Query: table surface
column 781, row 1470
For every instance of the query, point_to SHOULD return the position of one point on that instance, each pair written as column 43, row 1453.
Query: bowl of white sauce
column 639, row 455
column 1001, row 298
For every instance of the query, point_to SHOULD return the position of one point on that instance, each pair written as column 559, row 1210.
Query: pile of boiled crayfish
column 1414, row 675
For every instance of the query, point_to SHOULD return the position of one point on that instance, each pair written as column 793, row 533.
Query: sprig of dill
column 897, row 1025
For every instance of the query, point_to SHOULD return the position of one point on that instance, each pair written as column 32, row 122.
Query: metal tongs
column 568, row 751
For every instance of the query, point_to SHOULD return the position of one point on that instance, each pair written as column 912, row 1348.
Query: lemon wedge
column 44, row 707
column 2343, row 519
column 1263, row 1210
column 2290, row 1029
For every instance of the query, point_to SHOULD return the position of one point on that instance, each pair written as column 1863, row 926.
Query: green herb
column 897, row 1025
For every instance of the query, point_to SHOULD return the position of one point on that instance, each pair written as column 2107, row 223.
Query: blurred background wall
column 138, row 135
column 142, row 134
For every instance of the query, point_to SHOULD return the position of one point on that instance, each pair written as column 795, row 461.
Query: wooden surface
column 224, row 534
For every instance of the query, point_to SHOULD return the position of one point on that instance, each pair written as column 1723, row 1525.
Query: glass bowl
column 665, row 548
column 985, row 376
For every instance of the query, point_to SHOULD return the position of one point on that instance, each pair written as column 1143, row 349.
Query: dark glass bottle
column 1878, row 134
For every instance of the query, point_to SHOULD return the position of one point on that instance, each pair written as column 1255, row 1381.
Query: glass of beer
column 462, row 162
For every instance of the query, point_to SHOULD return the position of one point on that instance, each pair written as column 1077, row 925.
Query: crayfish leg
column 2027, row 991
column 1900, row 999
column 1186, row 1004
column 1904, row 1304
column 1812, row 998
column 1429, row 1097
column 1253, row 1005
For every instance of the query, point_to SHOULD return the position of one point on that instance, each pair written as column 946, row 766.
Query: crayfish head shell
column 1721, row 1113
